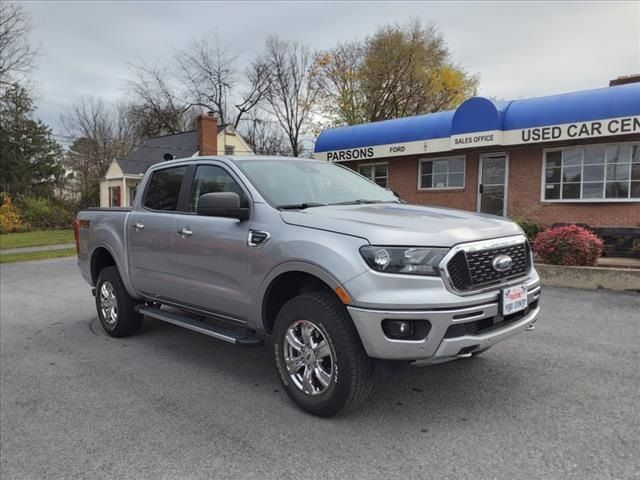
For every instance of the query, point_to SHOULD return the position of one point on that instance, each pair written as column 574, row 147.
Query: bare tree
column 209, row 70
column 156, row 107
column 16, row 54
column 264, row 135
column 101, row 135
column 292, row 88
column 341, row 95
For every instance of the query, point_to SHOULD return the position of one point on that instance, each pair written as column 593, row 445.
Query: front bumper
column 435, row 348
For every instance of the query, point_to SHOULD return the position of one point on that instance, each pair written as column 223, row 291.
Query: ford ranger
column 337, row 273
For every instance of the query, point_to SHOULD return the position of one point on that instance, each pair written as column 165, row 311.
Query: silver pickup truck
column 336, row 272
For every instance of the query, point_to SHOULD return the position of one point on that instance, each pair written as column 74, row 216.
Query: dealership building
column 568, row 158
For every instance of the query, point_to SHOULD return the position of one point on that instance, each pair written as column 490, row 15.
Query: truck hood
column 402, row 224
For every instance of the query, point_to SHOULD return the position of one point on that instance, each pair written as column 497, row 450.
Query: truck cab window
column 164, row 189
column 212, row 179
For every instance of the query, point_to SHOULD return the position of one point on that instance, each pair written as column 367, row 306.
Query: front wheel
column 320, row 359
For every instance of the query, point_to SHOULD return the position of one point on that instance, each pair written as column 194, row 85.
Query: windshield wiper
column 301, row 206
column 361, row 201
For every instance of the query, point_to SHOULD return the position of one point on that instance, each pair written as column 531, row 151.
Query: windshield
column 305, row 183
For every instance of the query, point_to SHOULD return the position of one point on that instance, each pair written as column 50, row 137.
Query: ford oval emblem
column 502, row 263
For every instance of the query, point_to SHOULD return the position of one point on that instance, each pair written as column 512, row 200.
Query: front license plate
column 514, row 299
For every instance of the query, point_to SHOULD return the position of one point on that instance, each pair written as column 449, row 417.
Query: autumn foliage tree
column 401, row 70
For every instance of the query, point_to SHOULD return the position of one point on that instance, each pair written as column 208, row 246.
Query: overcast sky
column 519, row 49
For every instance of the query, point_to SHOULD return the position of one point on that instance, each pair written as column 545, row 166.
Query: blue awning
column 480, row 114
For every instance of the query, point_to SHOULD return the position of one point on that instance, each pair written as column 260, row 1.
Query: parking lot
column 560, row 402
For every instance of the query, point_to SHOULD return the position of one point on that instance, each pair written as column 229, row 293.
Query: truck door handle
column 138, row 226
column 185, row 232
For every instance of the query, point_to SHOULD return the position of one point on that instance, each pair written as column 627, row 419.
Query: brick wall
column 525, row 171
column 523, row 198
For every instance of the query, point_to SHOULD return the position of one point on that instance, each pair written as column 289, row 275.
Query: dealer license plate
column 514, row 299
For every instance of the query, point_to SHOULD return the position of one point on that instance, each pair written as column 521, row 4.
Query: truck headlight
column 406, row 260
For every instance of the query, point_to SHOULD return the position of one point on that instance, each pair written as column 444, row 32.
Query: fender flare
column 125, row 278
column 291, row 266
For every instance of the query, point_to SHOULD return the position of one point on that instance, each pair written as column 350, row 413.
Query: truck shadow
column 457, row 391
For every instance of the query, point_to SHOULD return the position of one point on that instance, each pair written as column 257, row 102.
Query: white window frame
column 434, row 159
column 374, row 164
column 582, row 200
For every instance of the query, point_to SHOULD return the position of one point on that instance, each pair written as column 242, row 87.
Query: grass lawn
column 23, row 257
column 36, row 238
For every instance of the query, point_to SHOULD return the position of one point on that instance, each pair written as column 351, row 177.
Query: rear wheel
column 320, row 359
column 116, row 309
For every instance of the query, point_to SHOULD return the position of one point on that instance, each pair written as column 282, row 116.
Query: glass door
column 492, row 184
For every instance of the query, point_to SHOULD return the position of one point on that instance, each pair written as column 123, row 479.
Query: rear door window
column 163, row 191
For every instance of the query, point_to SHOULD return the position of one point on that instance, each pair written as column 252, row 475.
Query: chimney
column 207, row 126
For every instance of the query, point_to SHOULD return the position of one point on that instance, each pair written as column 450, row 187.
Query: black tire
column 352, row 370
column 127, row 320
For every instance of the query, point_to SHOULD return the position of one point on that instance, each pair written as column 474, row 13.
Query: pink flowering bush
column 568, row 245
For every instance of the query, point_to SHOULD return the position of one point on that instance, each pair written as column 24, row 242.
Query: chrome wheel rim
column 308, row 357
column 108, row 304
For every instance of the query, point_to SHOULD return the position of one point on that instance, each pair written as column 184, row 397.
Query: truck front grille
column 469, row 270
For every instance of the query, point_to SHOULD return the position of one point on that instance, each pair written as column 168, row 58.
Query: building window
column 114, row 197
column 376, row 172
column 442, row 173
column 592, row 173
column 229, row 149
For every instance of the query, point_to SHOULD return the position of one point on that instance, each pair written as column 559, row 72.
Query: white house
column 118, row 187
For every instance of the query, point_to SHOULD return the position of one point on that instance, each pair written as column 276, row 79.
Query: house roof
column 480, row 114
column 153, row 150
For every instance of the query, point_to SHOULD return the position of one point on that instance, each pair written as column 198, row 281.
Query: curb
column 43, row 248
column 590, row 278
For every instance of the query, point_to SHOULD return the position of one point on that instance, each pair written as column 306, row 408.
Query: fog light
column 398, row 328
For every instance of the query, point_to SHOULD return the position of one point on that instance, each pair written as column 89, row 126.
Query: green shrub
column 42, row 213
column 530, row 229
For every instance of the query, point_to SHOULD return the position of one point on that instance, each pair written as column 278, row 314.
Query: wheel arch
column 101, row 257
column 287, row 281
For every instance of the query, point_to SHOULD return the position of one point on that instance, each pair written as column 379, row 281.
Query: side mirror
column 222, row 204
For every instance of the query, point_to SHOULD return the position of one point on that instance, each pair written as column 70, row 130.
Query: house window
column 114, row 197
column 442, row 173
column 593, row 173
column 229, row 149
column 376, row 172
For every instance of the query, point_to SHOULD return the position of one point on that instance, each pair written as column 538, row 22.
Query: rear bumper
column 438, row 346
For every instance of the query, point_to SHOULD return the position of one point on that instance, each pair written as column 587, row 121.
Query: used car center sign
column 551, row 133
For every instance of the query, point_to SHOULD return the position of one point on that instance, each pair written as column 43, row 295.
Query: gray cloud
column 520, row 49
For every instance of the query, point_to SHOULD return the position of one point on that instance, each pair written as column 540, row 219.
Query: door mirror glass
column 222, row 204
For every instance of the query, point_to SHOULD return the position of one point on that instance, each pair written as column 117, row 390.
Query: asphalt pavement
column 561, row 402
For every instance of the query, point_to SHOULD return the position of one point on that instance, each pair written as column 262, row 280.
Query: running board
column 245, row 338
